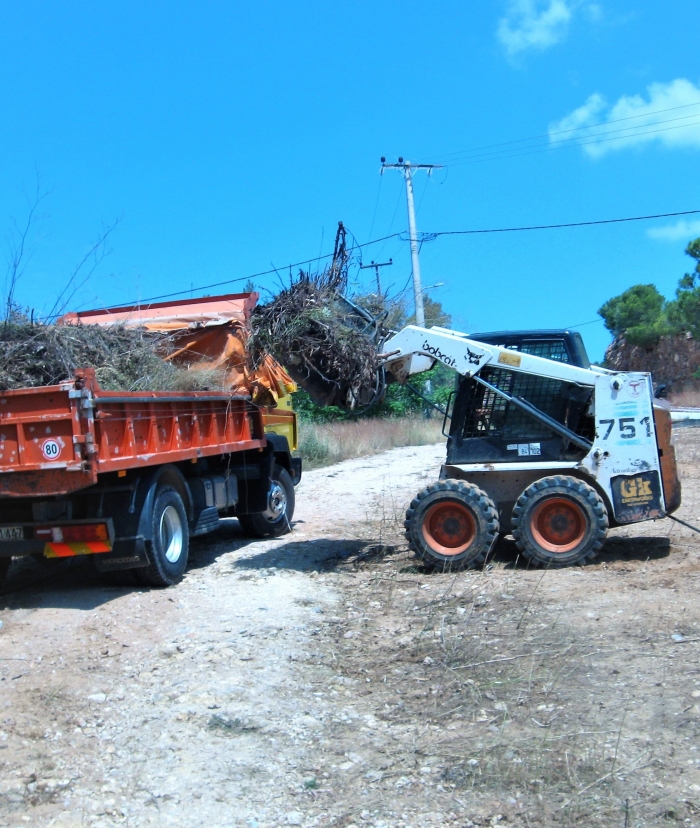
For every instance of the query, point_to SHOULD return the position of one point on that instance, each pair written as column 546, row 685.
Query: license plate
column 8, row 533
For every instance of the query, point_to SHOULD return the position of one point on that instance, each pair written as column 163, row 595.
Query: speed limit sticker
column 50, row 449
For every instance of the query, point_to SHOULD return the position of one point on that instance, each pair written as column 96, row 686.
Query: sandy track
column 196, row 705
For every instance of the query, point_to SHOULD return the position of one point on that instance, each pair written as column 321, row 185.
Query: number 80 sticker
column 50, row 449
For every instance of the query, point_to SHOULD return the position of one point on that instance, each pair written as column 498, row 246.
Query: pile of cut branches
column 328, row 344
column 124, row 359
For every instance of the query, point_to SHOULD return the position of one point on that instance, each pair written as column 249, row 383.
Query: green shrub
column 643, row 316
column 638, row 314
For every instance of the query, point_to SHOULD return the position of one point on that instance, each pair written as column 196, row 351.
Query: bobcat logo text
column 438, row 354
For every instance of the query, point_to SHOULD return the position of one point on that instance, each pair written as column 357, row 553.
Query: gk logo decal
column 636, row 488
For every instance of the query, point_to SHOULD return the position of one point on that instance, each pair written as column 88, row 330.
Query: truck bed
column 58, row 439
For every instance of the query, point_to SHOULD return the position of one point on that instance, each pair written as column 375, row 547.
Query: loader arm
column 414, row 350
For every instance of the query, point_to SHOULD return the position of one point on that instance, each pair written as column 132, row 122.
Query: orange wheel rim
column 558, row 524
column 449, row 528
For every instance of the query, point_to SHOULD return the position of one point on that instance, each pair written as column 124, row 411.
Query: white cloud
column 532, row 24
column 593, row 11
column 682, row 230
column 669, row 115
column 589, row 113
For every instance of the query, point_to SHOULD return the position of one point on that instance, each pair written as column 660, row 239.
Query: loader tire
column 451, row 525
column 559, row 521
column 169, row 541
column 276, row 520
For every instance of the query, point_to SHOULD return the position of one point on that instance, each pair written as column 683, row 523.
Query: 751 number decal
column 626, row 426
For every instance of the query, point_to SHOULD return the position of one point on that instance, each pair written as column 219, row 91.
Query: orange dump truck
column 129, row 477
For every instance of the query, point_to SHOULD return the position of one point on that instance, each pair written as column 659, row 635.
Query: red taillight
column 76, row 532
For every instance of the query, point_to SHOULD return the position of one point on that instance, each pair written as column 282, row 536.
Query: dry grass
column 490, row 678
column 322, row 444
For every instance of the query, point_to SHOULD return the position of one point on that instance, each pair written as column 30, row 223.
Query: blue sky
column 230, row 138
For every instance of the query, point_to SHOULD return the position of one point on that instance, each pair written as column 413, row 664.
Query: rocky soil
column 324, row 679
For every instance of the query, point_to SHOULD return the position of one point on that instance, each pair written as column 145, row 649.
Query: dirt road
column 324, row 679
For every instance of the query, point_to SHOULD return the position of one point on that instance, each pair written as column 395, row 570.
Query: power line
column 567, row 143
column 558, row 226
column 376, row 204
column 581, row 324
column 598, row 137
column 396, row 235
column 393, row 218
column 564, row 131
column 257, row 275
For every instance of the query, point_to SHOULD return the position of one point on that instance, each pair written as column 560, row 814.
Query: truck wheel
column 170, row 540
column 559, row 521
column 277, row 518
column 451, row 525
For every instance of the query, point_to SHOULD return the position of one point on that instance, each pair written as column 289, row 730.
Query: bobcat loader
column 542, row 445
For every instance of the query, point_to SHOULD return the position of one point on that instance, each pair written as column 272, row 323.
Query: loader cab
column 485, row 428
column 560, row 345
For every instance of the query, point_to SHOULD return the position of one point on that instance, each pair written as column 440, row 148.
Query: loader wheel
column 559, row 521
column 170, row 541
column 451, row 525
column 277, row 518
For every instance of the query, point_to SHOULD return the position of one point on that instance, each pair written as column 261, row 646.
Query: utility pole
column 407, row 169
column 376, row 266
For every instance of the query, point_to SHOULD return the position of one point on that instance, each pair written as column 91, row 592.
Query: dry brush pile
column 124, row 359
column 328, row 344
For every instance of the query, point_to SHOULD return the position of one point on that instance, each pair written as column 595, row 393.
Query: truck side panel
column 136, row 431
column 58, row 439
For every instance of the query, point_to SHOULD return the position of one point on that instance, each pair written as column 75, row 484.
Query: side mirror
column 661, row 392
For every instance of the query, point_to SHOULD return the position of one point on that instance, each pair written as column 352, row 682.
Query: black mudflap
column 127, row 553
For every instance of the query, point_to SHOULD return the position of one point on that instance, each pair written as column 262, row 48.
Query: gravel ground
column 325, row 679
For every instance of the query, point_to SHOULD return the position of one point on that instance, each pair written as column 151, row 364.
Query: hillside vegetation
column 651, row 333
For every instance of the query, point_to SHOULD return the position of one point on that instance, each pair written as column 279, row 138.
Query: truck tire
column 452, row 525
column 169, row 540
column 277, row 518
column 559, row 521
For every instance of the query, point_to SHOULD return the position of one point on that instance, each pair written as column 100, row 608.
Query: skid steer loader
column 541, row 445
